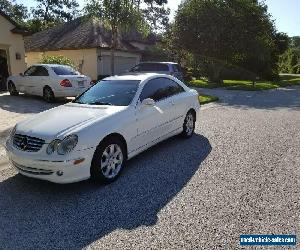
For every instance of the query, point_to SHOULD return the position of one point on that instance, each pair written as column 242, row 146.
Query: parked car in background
column 168, row 68
column 49, row 81
column 94, row 135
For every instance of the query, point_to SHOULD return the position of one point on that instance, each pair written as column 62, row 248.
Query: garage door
column 121, row 64
column 124, row 63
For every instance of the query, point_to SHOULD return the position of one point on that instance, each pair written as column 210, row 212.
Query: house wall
column 85, row 60
column 12, row 44
column 91, row 62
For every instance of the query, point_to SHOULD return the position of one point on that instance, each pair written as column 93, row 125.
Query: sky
column 286, row 13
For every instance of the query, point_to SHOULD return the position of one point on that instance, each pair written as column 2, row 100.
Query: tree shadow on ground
column 38, row 214
column 27, row 104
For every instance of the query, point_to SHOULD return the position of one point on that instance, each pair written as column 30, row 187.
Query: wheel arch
column 47, row 86
column 120, row 137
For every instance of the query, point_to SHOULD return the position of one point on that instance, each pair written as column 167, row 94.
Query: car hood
column 63, row 120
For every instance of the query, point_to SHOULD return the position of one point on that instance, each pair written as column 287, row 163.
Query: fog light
column 59, row 173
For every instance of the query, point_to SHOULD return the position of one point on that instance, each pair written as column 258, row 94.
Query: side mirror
column 148, row 102
column 21, row 74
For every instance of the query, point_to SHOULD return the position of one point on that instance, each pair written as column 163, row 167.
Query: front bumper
column 54, row 171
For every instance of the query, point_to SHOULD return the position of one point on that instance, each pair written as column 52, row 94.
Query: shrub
column 290, row 61
column 58, row 60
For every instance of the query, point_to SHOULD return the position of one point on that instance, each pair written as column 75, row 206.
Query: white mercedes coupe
column 111, row 122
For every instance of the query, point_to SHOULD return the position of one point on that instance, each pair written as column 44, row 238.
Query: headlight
column 52, row 147
column 67, row 144
column 62, row 147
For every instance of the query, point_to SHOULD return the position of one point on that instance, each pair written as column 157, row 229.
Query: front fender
column 123, row 123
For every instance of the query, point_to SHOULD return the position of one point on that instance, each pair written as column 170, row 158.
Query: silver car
column 168, row 68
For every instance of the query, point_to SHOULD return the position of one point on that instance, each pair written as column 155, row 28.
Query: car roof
column 50, row 65
column 159, row 62
column 135, row 76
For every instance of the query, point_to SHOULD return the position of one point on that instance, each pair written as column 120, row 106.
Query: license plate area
column 81, row 84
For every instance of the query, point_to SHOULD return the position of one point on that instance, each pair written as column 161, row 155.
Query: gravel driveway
column 240, row 174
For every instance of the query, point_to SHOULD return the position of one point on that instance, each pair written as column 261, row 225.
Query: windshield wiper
column 99, row 103
column 78, row 102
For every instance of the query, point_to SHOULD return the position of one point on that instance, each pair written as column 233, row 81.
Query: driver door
column 25, row 80
column 152, row 121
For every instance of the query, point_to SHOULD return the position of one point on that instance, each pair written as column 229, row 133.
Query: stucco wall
column 12, row 43
column 91, row 62
column 84, row 59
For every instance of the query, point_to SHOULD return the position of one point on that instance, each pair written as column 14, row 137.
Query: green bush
column 289, row 62
column 58, row 60
column 204, row 67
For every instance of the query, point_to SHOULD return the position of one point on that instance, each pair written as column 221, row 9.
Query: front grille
column 27, row 143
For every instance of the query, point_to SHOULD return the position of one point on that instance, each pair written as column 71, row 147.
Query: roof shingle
column 82, row 33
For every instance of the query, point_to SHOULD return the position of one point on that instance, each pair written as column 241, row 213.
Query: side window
column 41, row 71
column 153, row 67
column 153, row 89
column 30, row 71
column 176, row 68
column 144, row 67
column 135, row 68
column 172, row 88
column 160, row 88
column 160, row 67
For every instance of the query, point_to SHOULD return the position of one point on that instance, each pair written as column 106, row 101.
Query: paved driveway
column 239, row 174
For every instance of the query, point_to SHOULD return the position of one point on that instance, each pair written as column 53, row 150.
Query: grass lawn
column 285, row 80
column 203, row 99
column 288, row 80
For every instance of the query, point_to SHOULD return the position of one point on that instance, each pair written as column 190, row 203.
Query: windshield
column 64, row 71
column 110, row 92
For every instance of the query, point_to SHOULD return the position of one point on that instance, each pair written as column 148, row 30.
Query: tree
column 157, row 17
column 155, row 13
column 18, row 12
column 52, row 12
column 149, row 2
column 282, row 42
column 117, row 16
column 295, row 42
column 228, row 32
column 34, row 25
column 290, row 61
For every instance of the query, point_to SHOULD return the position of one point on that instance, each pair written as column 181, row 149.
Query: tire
column 12, row 89
column 189, row 125
column 48, row 94
column 109, row 160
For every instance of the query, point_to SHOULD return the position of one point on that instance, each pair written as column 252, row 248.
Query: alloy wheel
column 111, row 161
column 189, row 125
